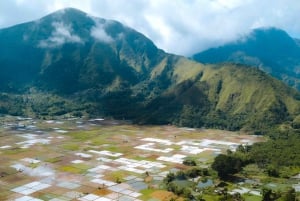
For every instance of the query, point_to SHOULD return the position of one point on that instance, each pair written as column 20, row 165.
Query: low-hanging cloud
column 62, row 34
column 99, row 33
column 177, row 26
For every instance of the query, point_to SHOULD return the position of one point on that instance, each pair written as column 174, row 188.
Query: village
column 102, row 160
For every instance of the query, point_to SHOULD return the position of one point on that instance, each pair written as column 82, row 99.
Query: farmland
column 96, row 159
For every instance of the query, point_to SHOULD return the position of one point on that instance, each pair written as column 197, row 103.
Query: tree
column 290, row 195
column 189, row 162
column 228, row 197
column 199, row 198
column 269, row 195
column 169, row 178
column 272, row 171
column 187, row 193
column 227, row 165
column 237, row 197
column 172, row 187
column 181, row 175
column 243, row 148
column 194, row 172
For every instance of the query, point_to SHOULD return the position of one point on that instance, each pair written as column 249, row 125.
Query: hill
column 70, row 63
column 270, row 49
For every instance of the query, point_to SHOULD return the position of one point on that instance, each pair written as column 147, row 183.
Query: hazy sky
column 177, row 26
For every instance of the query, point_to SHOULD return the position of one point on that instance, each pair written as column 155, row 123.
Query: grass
column 14, row 151
column 81, row 166
column 113, row 148
column 76, row 168
column 99, row 140
column 117, row 176
column 176, row 147
column 146, row 194
column 249, row 197
column 207, row 155
column 211, row 197
column 71, row 146
column 186, row 69
column 140, row 158
column 70, row 169
column 46, row 196
column 183, row 183
column 54, row 160
column 83, row 135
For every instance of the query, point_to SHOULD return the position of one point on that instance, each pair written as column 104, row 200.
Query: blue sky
column 178, row 26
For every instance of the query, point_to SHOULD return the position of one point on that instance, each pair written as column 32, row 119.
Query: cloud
column 99, row 33
column 177, row 26
column 61, row 35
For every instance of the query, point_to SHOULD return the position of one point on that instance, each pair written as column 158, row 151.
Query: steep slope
column 224, row 96
column 69, row 63
column 68, row 50
column 270, row 49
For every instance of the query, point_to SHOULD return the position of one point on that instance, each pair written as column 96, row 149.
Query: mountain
column 68, row 50
column 70, row 63
column 270, row 49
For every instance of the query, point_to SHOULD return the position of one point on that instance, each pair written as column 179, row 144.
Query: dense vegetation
column 128, row 77
column 279, row 156
column 276, row 160
column 270, row 49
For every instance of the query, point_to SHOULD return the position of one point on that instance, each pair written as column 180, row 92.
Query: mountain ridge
column 102, row 68
column 270, row 49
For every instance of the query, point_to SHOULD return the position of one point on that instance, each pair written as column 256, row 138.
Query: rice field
column 101, row 160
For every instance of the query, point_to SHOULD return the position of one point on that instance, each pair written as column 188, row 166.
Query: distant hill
column 270, row 49
column 70, row 63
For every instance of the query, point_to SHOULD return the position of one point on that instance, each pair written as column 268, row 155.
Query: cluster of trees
column 189, row 162
column 227, row 165
column 277, row 156
column 270, row 195
column 184, row 191
column 11, row 104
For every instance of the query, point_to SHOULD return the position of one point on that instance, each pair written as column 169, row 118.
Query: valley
column 172, row 128
column 97, row 159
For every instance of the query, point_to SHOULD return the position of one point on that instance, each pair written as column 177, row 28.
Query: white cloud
column 99, row 33
column 177, row 26
column 61, row 35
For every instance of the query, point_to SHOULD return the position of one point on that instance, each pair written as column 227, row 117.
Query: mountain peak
column 270, row 49
column 65, row 37
column 268, row 30
column 69, row 12
column 271, row 34
column 70, row 62
column 72, row 10
column 68, row 15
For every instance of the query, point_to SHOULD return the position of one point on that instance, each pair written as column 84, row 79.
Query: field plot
column 99, row 160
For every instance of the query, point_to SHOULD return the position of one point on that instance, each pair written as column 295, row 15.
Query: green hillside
column 69, row 63
column 270, row 49
column 224, row 96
